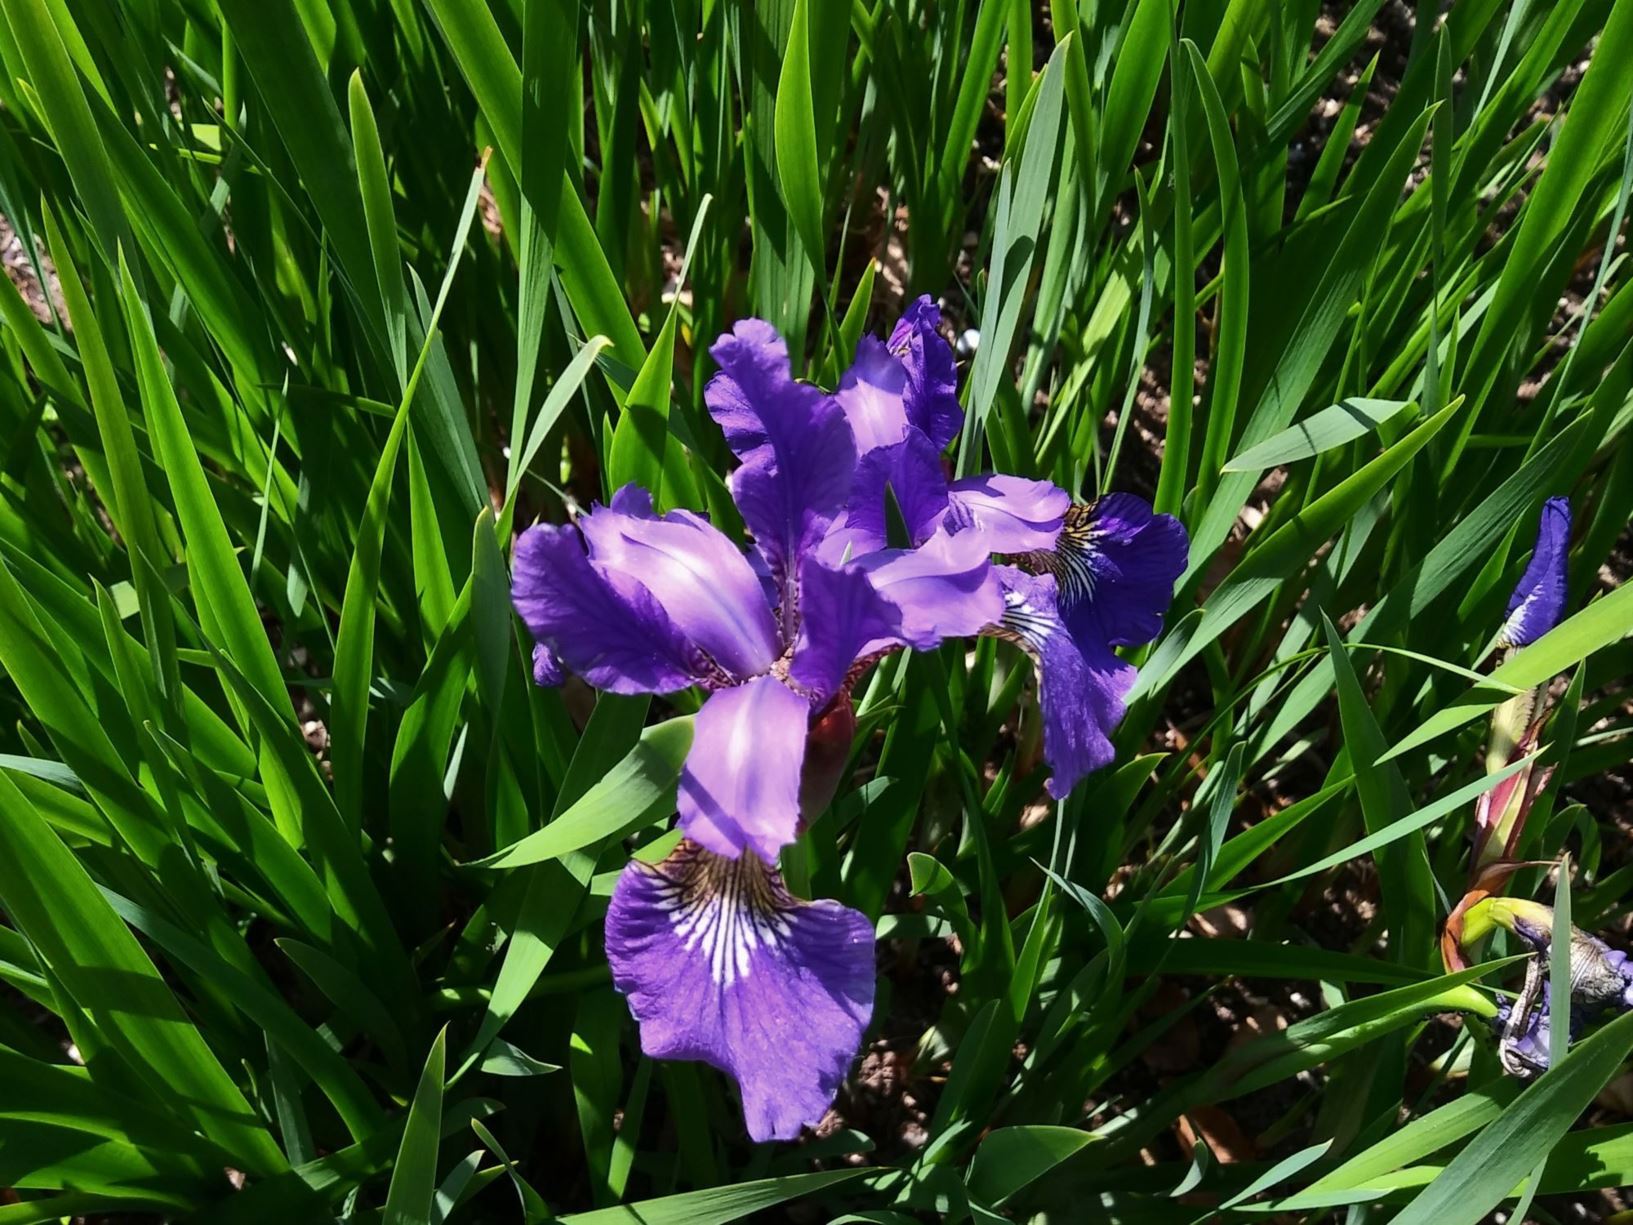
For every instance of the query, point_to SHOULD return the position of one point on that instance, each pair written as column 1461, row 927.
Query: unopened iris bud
column 1538, row 602
column 1536, row 607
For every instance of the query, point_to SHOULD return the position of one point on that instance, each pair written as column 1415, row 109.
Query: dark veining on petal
column 1071, row 560
column 724, row 908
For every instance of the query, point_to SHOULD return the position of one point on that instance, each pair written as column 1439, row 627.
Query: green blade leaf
column 717, row 1205
column 1011, row 1157
column 634, row 793
column 796, row 141
column 1605, row 621
column 1492, row 1165
column 414, row 1176
column 54, row 902
column 1323, row 430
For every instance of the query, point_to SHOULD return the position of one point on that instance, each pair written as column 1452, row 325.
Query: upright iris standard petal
column 701, row 579
column 1081, row 684
column 932, row 377
column 795, row 446
column 944, row 589
column 739, row 789
column 840, row 614
column 1117, row 563
column 909, row 472
column 1012, row 514
column 721, row 965
column 1538, row 602
column 871, row 395
column 613, row 634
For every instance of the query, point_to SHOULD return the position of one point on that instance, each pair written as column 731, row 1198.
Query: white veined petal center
column 724, row 909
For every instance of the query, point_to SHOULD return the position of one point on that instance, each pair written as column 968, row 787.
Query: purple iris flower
column 861, row 545
column 1085, row 580
column 719, row 962
column 1538, row 602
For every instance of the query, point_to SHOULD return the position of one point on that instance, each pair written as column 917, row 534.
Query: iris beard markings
column 1024, row 623
column 726, row 908
column 1072, row 560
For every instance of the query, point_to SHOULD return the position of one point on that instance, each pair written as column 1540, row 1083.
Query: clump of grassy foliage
column 305, row 360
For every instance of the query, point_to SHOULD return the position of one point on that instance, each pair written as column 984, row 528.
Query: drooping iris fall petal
column 721, row 964
column 1117, row 562
column 1081, row 683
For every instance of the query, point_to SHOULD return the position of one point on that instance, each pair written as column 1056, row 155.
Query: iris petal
column 943, row 589
column 739, row 789
column 797, row 453
column 871, row 394
column 840, row 614
column 721, row 964
column 1117, row 563
column 547, row 670
column 931, row 394
column 1081, row 684
column 908, row 471
column 1013, row 514
column 701, row 579
column 616, row 636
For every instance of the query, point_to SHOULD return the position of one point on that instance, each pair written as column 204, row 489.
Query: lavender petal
column 616, row 636
column 739, row 789
column 700, row 578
